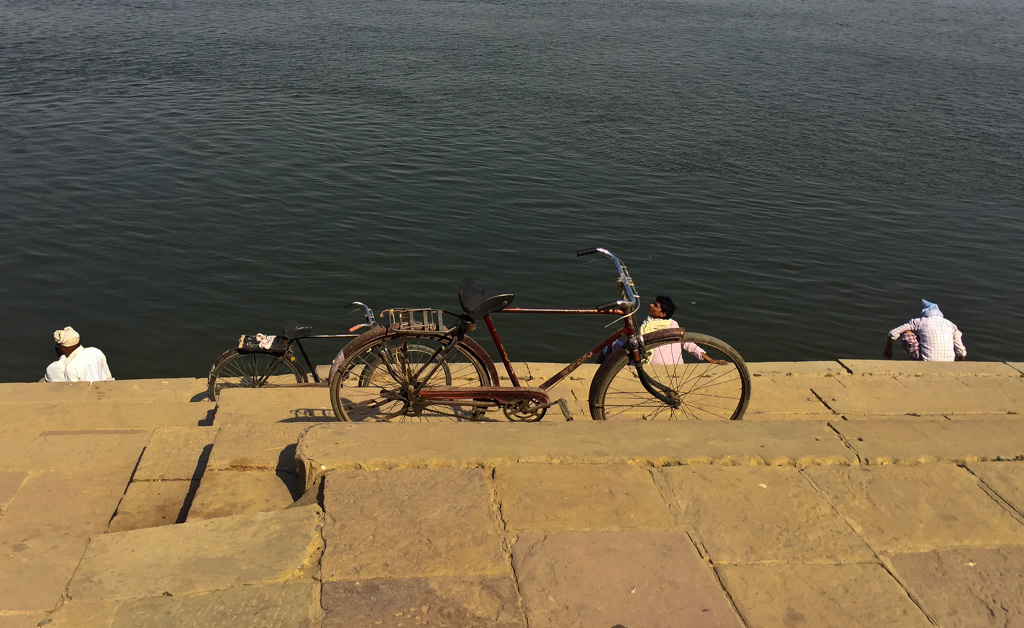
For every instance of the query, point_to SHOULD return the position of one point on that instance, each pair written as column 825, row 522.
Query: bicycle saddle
column 477, row 302
column 293, row 330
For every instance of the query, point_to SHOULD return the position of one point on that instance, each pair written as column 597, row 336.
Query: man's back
column 87, row 364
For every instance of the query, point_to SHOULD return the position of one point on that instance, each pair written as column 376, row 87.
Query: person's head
column 929, row 309
column 67, row 340
column 661, row 307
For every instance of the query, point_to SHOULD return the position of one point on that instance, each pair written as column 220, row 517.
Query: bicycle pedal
column 564, row 407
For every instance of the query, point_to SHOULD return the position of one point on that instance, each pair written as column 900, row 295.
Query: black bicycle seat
column 477, row 302
column 293, row 330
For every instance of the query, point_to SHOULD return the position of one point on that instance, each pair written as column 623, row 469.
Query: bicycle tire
column 238, row 369
column 375, row 377
column 707, row 391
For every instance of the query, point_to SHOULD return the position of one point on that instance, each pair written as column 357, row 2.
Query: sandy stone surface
column 819, row 369
column 910, row 368
column 201, row 556
column 10, row 482
column 628, row 578
column 784, row 393
column 303, row 404
column 912, row 508
column 387, row 446
column 450, row 602
column 815, row 596
column 152, row 504
column 281, row 605
column 410, row 523
column 224, row 493
column 892, row 441
column 756, row 514
column 537, row 497
column 241, row 446
column 1006, row 479
column 175, row 453
column 912, row 395
column 98, row 451
column 966, row 587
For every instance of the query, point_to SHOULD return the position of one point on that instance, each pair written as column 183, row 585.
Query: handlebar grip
column 614, row 305
column 586, row 252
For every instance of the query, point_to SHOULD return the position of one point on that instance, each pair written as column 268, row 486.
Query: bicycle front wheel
column 704, row 390
column 235, row 369
column 379, row 380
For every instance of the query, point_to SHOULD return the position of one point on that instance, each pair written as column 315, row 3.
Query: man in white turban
column 76, row 363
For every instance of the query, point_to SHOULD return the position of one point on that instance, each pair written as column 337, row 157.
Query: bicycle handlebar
column 632, row 299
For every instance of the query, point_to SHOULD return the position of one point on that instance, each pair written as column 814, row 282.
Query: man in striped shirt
column 929, row 337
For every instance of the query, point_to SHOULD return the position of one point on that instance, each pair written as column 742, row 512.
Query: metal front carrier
column 422, row 319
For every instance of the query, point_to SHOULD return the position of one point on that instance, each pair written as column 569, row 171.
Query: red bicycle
column 416, row 368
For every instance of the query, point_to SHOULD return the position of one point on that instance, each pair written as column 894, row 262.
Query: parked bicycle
column 261, row 360
column 416, row 367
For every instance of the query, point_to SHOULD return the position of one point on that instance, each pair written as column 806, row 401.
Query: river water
column 796, row 175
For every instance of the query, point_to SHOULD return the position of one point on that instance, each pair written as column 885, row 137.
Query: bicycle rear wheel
column 378, row 380
column 235, row 369
column 706, row 391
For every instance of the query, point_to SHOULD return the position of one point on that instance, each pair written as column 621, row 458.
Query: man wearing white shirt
column 76, row 363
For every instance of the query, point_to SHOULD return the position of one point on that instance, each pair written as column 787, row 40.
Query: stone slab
column 39, row 417
column 1017, row 366
column 245, row 447
column 744, row 515
column 280, row 604
column 930, row 369
column 1005, row 479
column 21, row 620
column 823, row 417
column 137, row 390
column 10, row 482
column 224, row 493
column 931, row 395
column 790, row 394
column 898, row 508
column 386, row 446
column 201, row 556
column 31, row 392
column 410, row 523
column 965, row 587
column 96, row 451
column 544, row 497
column 829, row 368
column 300, row 404
column 810, row 596
column 34, row 574
column 152, row 504
column 491, row 601
column 891, row 441
column 627, row 578
column 175, row 453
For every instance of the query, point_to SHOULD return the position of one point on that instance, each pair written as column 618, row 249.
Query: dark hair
column 667, row 306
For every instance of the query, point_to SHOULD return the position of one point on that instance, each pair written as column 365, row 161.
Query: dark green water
column 796, row 175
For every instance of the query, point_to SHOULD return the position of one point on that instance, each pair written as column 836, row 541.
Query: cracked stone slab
column 225, row 493
column 174, row 453
column 34, row 574
column 10, row 482
column 201, row 556
column 789, row 394
column 820, row 595
column 930, row 369
column 758, row 514
column 966, row 587
column 628, row 578
column 904, row 441
column 410, row 523
column 299, row 404
column 21, row 620
column 898, row 508
column 491, row 601
column 278, row 604
column 385, row 446
column 539, row 497
column 151, row 504
column 1006, row 479
column 922, row 395
column 819, row 369
column 249, row 446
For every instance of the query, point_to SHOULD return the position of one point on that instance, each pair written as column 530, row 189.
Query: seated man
column 929, row 337
column 77, row 363
column 659, row 317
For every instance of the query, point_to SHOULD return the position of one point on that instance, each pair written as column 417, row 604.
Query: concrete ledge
column 330, row 447
column 912, row 368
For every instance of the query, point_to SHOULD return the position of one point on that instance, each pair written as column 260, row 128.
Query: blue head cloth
column 929, row 309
